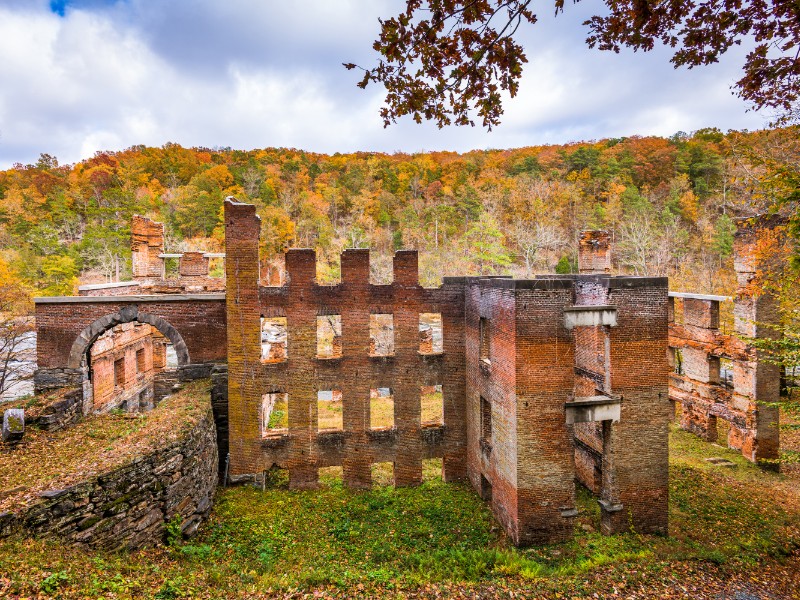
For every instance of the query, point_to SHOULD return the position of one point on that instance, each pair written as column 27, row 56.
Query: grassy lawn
column 733, row 530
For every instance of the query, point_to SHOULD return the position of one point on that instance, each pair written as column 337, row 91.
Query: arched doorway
column 123, row 359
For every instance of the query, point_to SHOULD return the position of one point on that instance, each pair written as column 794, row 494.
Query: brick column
column 635, row 462
column 355, row 349
column 756, row 381
column 242, row 227
column 407, row 396
column 301, row 270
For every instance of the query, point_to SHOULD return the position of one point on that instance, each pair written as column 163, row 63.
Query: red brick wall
column 193, row 264
column 147, row 242
column 302, row 450
column 639, row 371
column 123, row 342
column 201, row 323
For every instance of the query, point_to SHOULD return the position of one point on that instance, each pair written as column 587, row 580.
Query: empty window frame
column 329, row 336
column 381, row 335
column 330, row 411
column 430, row 333
column 274, row 415
column 432, row 409
column 483, row 335
column 141, row 362
column 274, row 339
column 216, row 267
column 381, row 408
column 119, row 372
column 486, row 421
column 726, row 372
column 172, row 268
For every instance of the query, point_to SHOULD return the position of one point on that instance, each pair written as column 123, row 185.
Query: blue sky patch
column 58, row 6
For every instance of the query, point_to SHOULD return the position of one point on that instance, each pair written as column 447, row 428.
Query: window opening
column 141, row 365
column 382, row 474
column 381, row 335
column 119, row 372
column 273, row 339
column 483, row 332
column 432, row 410
column 381, row 408
column 486, row 421
column 329, row 336
column 274, row 412
column 330, row 413
column 430, row 333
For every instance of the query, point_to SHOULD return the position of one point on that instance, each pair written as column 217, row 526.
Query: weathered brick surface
column 147, row 242
column 594, row 252
column 699, row 388
column 132, row 344
column 534, row 366
column 199, row 324
column 303, row 449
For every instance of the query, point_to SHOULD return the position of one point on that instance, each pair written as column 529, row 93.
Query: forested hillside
column 668, row 202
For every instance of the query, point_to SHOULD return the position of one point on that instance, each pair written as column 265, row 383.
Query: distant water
column 22, row 369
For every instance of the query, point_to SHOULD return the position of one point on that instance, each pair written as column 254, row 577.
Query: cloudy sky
column 78, row 76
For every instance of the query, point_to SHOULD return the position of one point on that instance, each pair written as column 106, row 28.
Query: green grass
column 724, row 524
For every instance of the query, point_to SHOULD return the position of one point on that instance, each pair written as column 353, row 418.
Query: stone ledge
column 214, row 297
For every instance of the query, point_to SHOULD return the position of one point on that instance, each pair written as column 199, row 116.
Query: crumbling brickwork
column 147, row 244
column 149, row 267
column 543, row 351
column 541, row 382
column 124, row 363
column 301, row 448
column 731, row 401
column 594, row 250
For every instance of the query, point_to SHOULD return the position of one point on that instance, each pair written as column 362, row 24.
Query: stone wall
column 129, row 507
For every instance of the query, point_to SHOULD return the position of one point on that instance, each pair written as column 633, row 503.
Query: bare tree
column 532, row 239
column 17, row 341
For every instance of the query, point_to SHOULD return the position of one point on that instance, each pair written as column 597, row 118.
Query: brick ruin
column 521, row 387
column 527, row 370
column 149, row 265
column 125, row 361
column 721, row 385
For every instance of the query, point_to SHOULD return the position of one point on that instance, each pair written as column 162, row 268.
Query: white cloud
column 247, row 74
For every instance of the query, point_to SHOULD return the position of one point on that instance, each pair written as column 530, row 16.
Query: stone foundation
column 130, row 506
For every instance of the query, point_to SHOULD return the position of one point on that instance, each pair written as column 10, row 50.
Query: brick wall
column 535, row 365
column 706, row 397
column 147, row 242
column 302, row 449
column 199, row 321
column 132, row 345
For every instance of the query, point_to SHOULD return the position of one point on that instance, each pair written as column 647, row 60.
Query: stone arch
column 126, row 314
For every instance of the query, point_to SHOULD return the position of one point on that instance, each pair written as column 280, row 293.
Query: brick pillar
column 756, row 382
column 407, row 394
column 454, row 463
column 147, row 242
column 242, row 227
column 636, row 467
column 594, row 252
column 301, row 270
column 355, row 346
column 544, row 372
